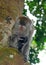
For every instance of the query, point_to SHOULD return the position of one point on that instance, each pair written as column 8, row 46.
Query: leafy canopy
column 38, row 9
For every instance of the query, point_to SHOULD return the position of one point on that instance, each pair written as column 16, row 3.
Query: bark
column 11, row 56
column 12, row 9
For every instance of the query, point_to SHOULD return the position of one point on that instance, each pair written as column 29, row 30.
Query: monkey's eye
column 23, row 23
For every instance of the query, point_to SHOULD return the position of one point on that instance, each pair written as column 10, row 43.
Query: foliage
column 38, row 9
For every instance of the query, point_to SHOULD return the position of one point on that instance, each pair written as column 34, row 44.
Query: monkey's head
column 22, row 25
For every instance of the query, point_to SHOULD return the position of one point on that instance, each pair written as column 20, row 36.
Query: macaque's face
column 22, row 26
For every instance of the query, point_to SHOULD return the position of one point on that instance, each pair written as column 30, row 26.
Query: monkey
column 21, row 35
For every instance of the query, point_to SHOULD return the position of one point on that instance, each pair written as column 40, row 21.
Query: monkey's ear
column 32, row 22
column 32, row 29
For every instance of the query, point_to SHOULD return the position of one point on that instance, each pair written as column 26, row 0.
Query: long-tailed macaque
column 21, row 35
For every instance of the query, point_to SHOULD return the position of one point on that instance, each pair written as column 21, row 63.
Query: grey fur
column 20, row 39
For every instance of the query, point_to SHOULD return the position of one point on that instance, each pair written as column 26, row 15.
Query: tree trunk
column 9, row 10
